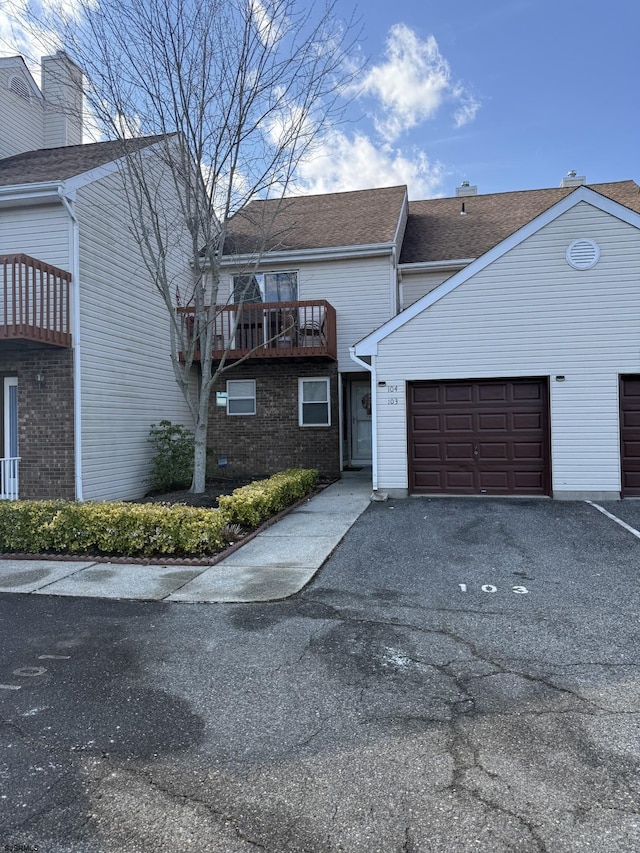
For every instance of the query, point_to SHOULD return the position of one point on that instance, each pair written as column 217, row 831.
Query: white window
column 266, row 287
column 314, row 405
column 241, row 397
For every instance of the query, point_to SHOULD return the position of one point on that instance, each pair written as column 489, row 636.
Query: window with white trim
column 241, row 397
column 314, row 402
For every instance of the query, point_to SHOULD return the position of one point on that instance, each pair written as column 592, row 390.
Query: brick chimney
column 62, row 91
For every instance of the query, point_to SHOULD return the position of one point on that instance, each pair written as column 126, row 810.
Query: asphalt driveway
column 462, row 675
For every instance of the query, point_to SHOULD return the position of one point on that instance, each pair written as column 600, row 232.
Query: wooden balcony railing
column 270, row 329
column 34, row 301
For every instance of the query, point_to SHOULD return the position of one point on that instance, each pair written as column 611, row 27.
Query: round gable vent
column 583, row 254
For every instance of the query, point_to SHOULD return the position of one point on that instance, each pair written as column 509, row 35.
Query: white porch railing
column 9, row 478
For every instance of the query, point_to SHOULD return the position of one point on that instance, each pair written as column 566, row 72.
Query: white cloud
column 467, row 110
column 340, row 162
column 20, row 35
column 412, row 84
column 270, row 23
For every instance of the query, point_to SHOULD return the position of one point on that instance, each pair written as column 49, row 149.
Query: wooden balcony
column 34, row 302
column 270, row 330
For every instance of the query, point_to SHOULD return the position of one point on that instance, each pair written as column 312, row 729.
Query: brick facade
column 271, row 440
column 45, row 421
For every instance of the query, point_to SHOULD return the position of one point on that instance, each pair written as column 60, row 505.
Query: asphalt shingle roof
column 58, row 164
column 437, row 230
column 363, row 217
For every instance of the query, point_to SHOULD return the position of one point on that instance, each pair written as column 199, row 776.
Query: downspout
column 371, row 368
column 77, row 396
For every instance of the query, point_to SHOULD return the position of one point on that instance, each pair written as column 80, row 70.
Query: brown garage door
column 479, row 437
column 630, row 435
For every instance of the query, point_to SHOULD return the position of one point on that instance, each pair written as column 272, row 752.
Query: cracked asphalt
column 462, row 675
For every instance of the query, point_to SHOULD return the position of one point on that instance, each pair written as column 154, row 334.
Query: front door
column 361, row 422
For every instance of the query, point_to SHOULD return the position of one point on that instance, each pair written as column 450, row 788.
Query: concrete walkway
column 275, row 564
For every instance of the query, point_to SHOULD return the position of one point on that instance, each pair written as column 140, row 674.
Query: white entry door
column 361, row 422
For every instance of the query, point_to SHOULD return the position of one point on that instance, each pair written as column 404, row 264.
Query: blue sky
column 507, row 94
column 551, row 86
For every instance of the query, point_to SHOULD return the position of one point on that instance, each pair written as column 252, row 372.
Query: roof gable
column 18, row 63
column 317, row 222
column 368, row 345
column 439, row 230
column 60, row 164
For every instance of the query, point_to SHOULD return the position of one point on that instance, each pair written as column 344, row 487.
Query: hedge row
column 118, row 528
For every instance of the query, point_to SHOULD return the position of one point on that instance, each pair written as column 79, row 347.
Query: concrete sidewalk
column 275, row 564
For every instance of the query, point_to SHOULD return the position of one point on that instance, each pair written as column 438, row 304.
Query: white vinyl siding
column 42, row 231
column 530, row 314
column 127, row 379
column 417, row 285
column 360, row 289
column 24, row 131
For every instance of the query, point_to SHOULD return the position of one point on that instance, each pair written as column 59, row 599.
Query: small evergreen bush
column 252, row 504
column 172, row 463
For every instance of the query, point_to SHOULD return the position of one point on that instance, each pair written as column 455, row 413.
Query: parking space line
column 615, row 518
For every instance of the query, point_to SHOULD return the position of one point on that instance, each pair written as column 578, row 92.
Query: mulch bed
column 207, row 500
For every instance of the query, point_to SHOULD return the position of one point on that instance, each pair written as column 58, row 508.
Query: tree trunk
column 198, row 482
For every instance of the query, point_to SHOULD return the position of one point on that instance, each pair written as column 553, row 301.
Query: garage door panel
column 460, row 480
column 458, row 423
column 527, row 391
column 527, row 421
column 494, row 481
column 494, row 392
column 527, row 482
column 492, row 435
column 533, row 450
column 458, row 393
column 458, row 450
column 493, row 422
column 426, row 451
column 493, row 451
column 427, row 394
column 427, row 423
column 430, row 481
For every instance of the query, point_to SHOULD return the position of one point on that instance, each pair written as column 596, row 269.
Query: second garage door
column 479, row 437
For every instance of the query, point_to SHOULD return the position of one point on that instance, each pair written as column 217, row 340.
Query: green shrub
column 118, row 528
column 252, row 504
column 172, row 463
column 110, row 528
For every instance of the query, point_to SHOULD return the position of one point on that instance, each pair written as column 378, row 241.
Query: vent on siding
column 583, row 254
column 20, row 87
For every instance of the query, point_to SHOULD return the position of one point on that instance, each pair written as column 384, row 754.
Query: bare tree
column 236, row 91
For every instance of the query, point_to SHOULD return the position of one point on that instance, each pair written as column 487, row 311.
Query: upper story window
column 19, row 86
column 266, row 287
